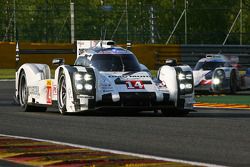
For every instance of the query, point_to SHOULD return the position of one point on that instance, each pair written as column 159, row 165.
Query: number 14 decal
column 135, row 84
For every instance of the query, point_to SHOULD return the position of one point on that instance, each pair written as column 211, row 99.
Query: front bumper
column 128, row 100
column 136, row 100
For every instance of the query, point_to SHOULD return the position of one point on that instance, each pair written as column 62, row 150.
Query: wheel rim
column 62, row 92
column 23, row 92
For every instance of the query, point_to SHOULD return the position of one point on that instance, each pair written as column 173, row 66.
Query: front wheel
column 62, row 94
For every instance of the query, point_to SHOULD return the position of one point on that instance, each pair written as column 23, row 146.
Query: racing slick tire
column 233, row 83
column 23, row 96
column 62, row 94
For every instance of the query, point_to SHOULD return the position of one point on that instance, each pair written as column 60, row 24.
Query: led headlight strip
column 84, row 82
column 185, row 81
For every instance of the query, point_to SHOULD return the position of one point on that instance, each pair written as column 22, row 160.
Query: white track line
column 118, row 152
column 6, row 80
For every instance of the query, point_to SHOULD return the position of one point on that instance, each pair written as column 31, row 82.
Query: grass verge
column 7, row 73
column 224, row 99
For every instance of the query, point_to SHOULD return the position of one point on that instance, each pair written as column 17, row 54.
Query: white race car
column 218, row 73
column 104, row 76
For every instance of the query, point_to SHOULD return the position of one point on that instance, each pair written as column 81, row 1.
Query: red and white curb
column 220, row 105
column 113, row 157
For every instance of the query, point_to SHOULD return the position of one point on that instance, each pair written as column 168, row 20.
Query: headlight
column 78, row 76
column 79, row 86
column 182, row 86
column 218, row 77
column 189, row 86
column 185, row 79
column 181, row 76
column 84, row 82
column 82, row 76
column 186, row 86
column 87, row 77
column 189, row 76
column 216, row 81
column 88, row 87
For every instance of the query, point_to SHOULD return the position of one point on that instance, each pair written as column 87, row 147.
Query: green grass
column 154, row 73
column 225, row 99
column 7, row 73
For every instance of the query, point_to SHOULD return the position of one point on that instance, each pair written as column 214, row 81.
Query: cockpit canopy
column 110, row 62
column 208, row 65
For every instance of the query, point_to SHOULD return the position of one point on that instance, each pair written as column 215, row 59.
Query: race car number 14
column 134, row 84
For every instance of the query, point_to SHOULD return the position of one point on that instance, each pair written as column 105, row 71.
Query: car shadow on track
column 201, row 113
column 204, row 113
column 221, row 113
column 117, row 113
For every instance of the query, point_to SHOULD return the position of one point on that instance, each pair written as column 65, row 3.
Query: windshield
column 208, row 65
column 115, row 62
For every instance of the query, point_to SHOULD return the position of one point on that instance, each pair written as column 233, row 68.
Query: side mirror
column 171, row 62
column 58, row 61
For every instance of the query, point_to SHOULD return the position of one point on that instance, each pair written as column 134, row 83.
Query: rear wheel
column 62, row 94
column 23, row 96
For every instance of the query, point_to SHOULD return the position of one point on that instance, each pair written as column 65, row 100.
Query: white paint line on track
column 118, row 152
column 6, row 80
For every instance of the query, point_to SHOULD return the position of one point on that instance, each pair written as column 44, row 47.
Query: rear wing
column 83, row 45
column 233, row 59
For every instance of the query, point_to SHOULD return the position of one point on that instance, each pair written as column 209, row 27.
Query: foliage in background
column 208, row 22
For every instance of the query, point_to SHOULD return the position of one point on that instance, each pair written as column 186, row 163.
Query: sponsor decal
column 54, row 90
column 107, row 90
column 49, row 91
column 33, row 90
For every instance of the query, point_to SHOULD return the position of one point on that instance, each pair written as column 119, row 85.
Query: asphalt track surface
column 212, row 136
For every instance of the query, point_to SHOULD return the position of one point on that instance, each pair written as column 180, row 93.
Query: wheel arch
column 68, row 72
column 169, row 74
column 33, row 72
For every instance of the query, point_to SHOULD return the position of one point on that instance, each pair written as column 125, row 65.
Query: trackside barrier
column 44, row 53
column 148, row 54
column 7, row 54
column 35, row 53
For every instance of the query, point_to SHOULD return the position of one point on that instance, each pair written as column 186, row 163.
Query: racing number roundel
column 135, row 84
